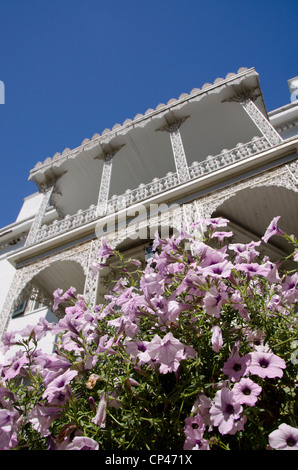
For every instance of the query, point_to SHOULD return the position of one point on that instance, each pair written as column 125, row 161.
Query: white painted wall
column 46, row 344
column 30, row 206
column 285, row 120
column 6, row 275
column 289, row 133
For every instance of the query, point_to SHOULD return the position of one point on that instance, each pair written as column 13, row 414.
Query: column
column 91, row 280
column 47, row 193
column 260, row 121
column 107, row 155
column 10, row 301
column 178, row 152
column 103, row 195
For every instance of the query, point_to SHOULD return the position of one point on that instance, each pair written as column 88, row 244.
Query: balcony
column 197, row 170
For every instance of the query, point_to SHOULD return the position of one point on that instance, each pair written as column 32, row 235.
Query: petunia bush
column 197, row 351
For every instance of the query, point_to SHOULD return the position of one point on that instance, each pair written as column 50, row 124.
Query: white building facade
column 213, row 152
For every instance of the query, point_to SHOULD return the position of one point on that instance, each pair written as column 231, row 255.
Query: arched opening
column 138, row 246
column 130, row 249
column 60, row 274
column 35, row 300
column 250, row 211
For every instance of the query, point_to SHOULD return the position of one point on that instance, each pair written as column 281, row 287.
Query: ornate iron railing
column 156, row 186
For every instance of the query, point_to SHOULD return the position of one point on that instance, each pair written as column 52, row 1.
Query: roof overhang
column 142, row 151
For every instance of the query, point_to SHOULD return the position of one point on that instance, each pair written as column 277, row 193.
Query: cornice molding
column 287, row 126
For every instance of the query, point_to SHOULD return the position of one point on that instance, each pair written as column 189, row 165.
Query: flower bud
column 92, row 404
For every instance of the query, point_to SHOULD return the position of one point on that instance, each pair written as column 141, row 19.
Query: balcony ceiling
column 210, row 123
column 251, row 210
column 62, row 274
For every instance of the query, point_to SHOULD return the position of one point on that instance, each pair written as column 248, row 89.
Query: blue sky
column 72, row 68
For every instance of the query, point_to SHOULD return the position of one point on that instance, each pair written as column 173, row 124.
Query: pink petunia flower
column 238, row 425
column 246, row 392
column 47, row 363
column 152, row 284
column 245, row 253
column 225, row 411
column 82, row 443
column 168, row 352
column 216, row 339
column 212, row 222
column 272, row 229
column 8, row 429
column 59, row 296
column 16, row 368
column 284, row 438
column 239, row 305
column 194, row 426
column 58, row 386
column 196, row 444
column 209, row 256
column 125, row 323
column 194, row 431
column 42, row 328
column 266, row 364
column 218, row 270
column 253, row 269
column 290, row 288
column 213, row 301
column 169, row 310
column 221, row 235
column 202, row 407
column 100, row 417
column 137, row 350
column 7, row 340
column 105, row 250
column 41, row 418
column 235, row 366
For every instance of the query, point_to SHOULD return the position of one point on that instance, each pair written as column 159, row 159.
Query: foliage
column 197, row 351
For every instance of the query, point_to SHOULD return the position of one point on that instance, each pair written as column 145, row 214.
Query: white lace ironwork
column 23, row 280
column 156, row 186
column 179, row 153
column 39, row 216
column 228, row 157
column 104, row 186
column 260, row 121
